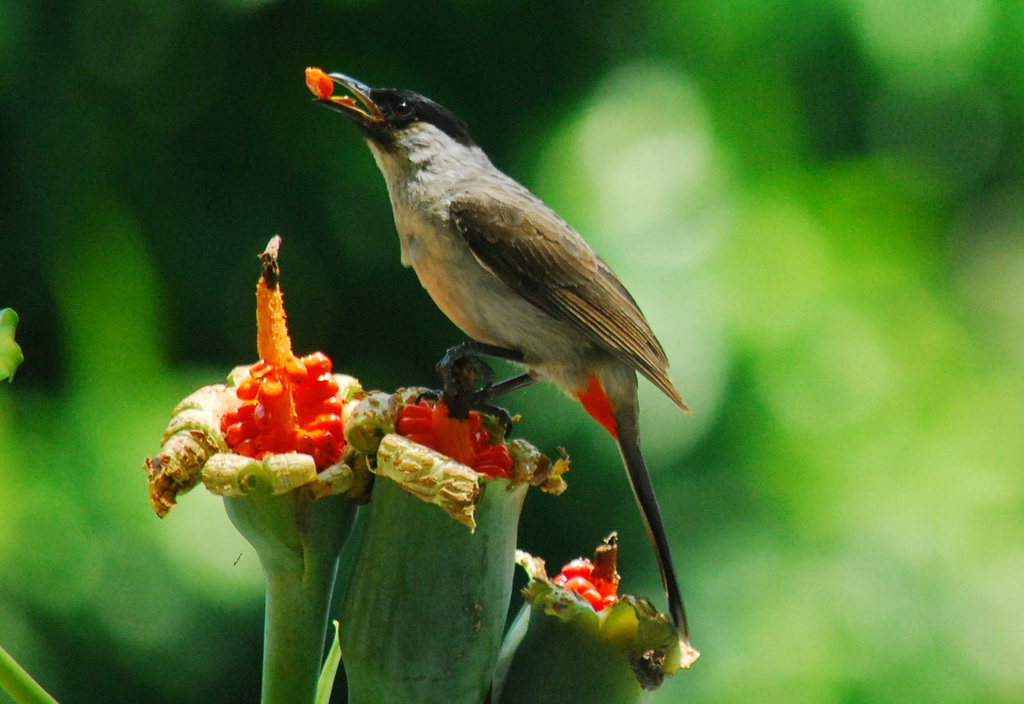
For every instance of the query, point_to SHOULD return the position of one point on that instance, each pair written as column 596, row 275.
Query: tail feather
column 643, row 490
column 610, row 397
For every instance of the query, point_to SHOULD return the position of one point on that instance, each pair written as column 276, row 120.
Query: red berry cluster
column 464, row 441
column 578, row 576
column 293, row 409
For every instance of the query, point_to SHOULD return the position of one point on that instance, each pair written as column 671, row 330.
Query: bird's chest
column 427, row 245
column 444, row 264
column 476, row 300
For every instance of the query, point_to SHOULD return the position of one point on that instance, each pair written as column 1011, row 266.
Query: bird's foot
column 479, row 401
column 461, row 370
column 480, row 405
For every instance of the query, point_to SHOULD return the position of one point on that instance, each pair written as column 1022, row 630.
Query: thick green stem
column 425, row 609
column 296, row 627
column 19, row 684
column 298, row 541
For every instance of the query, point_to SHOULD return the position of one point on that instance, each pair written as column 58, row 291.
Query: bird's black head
column 382, row 114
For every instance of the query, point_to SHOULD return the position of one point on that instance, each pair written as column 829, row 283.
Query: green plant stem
column 427, row 601
column 19, row 684
column 298, row 541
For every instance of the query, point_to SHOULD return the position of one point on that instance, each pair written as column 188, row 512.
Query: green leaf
column 330, row 669
column 19, row 684
column 10, row 354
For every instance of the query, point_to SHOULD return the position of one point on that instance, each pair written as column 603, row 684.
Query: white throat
column 427, row 154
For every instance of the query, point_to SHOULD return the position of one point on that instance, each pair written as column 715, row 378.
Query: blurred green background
column 817, row 203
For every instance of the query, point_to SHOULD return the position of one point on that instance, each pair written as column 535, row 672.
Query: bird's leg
column 472, row 348
column 492, row 391
column 482, row 398
column 461, row 369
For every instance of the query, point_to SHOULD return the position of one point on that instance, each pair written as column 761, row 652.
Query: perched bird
column 514, row 277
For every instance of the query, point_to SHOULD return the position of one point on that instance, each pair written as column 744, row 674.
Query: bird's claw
column 428, row 395
column 481, row 405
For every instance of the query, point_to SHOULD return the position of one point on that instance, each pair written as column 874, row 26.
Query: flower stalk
column 425, row 608
column 427, row 600
column 271, row 443
column 298, row 541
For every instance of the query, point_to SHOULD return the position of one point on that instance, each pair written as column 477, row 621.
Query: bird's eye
column 403, row 109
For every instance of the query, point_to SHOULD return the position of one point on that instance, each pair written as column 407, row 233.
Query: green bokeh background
column 818, row 204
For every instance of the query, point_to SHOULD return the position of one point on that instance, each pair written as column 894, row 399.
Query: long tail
column 643, row 490
column 620, row 416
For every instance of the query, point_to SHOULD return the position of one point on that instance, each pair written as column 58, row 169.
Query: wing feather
column 544, row 260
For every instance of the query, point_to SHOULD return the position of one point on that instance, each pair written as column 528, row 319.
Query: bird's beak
column 358, row 106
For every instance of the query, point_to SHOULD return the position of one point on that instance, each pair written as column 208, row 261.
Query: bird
column 515, row 278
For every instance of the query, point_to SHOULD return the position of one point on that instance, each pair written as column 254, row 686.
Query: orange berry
column 247, row 448
column 578, row 584
column 303, row 442
column 489, row 470
column 324, row 440
column 237, row 432
column 317, row 364
column 331, row 406
column 330, row 385
column 271, row 388
column 593, row 598
column 260, row 369
column 296, row 371
column 312, row 390
column 410, row 424
column 580, row 567
column 229, row 419
column 247, row 390
column 497, row 458
column 422, row 438
column 319, row 83
column 328, row 422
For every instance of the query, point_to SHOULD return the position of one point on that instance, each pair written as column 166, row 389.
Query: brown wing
column 549, row 264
